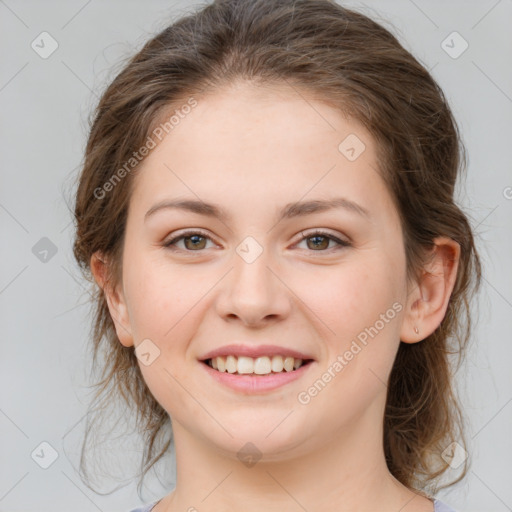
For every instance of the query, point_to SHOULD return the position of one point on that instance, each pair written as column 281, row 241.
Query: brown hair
column 352, row 62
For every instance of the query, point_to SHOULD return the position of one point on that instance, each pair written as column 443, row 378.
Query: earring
column 416, row 330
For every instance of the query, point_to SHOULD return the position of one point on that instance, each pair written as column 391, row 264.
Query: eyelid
column 306, row 233
column 341, row 243
column 186, row 233
column 303, row 236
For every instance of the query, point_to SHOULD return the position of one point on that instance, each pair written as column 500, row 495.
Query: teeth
column 288, row 364
column 245, row 364
column 221, row 364
column 264, row 365
column 277, row 364
column 231, row 366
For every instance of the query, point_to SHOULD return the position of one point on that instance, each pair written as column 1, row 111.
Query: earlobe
column 428, row 302
column 114, row 297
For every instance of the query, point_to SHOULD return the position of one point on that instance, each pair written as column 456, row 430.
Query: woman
column 266, row 206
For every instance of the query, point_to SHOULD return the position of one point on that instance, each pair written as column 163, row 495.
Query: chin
column 268, row 436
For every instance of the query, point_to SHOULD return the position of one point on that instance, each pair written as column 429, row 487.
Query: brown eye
column 319, row 242
column 193, row 241
column 196, row 242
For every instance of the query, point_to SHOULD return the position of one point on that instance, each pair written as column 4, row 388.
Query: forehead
column 246, row 112
column 258, row 143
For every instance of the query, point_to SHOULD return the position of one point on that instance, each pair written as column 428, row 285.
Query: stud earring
column 416, row 330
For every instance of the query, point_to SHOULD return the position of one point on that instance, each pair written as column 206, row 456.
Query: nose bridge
column 253, row 292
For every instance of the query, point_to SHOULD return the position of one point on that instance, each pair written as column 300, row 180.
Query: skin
column 253, row 149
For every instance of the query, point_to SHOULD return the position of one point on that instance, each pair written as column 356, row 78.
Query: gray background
column 45, row 105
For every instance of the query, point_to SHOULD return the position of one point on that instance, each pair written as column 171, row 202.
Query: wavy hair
column 355, row 64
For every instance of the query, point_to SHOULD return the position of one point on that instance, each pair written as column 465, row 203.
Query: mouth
column 255, row 369
column 256, row 366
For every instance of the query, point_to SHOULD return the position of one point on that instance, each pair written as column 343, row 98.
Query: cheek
column 165, row 300
column 348, row 297
column 359, row 308
column 154, row 296
column 161, row 309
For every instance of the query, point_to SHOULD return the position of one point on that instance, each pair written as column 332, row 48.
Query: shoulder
column 145, row 508
column 439, row 506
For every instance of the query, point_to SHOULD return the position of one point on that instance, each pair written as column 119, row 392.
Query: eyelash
column 186, row 234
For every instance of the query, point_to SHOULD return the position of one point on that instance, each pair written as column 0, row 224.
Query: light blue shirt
column 439, row 506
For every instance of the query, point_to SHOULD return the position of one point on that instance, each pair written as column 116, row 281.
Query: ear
column 115, row 299
column 428, row 300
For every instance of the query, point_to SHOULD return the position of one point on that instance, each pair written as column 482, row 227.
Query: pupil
column 194, row 239
column 316, row 245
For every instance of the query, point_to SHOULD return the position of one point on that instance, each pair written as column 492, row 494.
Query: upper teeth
column 259, row 365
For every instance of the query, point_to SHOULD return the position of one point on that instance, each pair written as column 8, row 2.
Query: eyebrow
column 291, row 210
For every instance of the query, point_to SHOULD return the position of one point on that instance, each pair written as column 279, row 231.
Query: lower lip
column 256, row 383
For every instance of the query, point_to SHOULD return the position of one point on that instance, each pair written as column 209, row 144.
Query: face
column 323, row 285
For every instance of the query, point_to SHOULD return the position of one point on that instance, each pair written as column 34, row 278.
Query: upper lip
column 255, row 351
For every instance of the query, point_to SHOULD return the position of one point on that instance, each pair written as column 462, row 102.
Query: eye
column 194, row 241
column 321, row 239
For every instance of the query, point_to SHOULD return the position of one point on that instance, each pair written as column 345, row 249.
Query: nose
column 254, row 293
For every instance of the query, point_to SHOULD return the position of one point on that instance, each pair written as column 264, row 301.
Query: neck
column 345, row 473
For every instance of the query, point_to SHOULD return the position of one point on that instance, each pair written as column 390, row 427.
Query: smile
column 252, row 383
column 264, row 365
